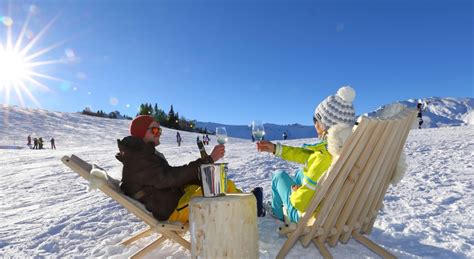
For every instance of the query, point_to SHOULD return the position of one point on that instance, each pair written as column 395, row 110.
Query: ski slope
column 45, row 209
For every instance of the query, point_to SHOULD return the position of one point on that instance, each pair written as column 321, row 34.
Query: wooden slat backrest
column 383, row 177
column 341, row 187
column 351, row 187
column 405, row 127
column 357, row 216
column 366, row 178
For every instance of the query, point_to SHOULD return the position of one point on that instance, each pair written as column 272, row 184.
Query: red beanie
column 140, row 125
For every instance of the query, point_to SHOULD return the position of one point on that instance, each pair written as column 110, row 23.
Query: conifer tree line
column 170, row 119
column 101, row 113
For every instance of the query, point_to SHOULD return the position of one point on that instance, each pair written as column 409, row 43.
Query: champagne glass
column 258, row 131
column 221, row 135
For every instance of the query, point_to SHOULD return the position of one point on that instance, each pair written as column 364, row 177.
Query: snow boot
column 258, row 192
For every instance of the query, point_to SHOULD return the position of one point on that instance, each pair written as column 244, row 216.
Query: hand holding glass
column 221, row 135
column 258, row 131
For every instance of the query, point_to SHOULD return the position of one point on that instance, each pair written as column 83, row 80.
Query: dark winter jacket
column 147, row 176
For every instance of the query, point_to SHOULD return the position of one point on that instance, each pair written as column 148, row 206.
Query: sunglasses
column 155, row 130
column 316, row 117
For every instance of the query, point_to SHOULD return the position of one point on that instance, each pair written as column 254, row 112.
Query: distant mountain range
column 439, row 112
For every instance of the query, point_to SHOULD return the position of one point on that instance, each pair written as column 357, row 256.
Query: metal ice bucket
column 213, row 179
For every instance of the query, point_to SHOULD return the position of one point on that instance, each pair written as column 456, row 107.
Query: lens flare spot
column 7, row 21
column 75, row 88
column 33, row 9
column 128, row 105
column 89, row 93
column 65, row 86
column 69, row 53
column 113, row 101
column 29, row 34
column 71, row 56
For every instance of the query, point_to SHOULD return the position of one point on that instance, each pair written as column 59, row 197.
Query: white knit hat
column 337, row 108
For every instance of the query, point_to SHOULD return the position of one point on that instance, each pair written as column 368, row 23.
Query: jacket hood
column 131, row 146
column 336, row 137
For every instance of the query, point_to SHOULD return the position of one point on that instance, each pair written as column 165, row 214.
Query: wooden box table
column 224, row 226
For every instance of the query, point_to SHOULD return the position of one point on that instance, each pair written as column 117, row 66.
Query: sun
column 18, row 62
column 13, row 68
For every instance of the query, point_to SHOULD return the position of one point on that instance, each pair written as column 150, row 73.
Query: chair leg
column 177, row 238
column 322, row 249
column 289, row 243
column 136, row 237
column 372, row 246
column 149, row 248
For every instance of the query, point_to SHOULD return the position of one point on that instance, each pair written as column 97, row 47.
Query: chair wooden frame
column 351, row 192
column 167, row 230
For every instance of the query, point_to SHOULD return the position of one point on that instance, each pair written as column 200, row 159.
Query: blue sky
column 237, row 61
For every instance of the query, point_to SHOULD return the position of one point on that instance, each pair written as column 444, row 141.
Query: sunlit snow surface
column 45, row 209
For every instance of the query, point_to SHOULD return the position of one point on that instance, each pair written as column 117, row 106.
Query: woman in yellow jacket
column 333, row 120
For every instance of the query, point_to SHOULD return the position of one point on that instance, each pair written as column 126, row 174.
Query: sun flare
column 18, row 63
column 13, row 68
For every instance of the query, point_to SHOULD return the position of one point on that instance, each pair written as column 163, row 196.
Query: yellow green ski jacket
column 316, row 160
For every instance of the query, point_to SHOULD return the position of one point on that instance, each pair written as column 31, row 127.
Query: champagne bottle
column 202, row 150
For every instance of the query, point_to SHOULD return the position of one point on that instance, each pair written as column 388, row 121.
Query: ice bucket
column 214, row 179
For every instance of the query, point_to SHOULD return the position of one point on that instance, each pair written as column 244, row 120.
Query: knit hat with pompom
column 337, row 108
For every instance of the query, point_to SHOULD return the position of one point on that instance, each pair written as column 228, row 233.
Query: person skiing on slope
column 53, row 145
column 178, row 138
column 40, row 143
column 35, row 143
column 420, row 108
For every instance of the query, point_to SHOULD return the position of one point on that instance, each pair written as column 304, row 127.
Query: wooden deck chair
column 167, row 230
column 351, row 192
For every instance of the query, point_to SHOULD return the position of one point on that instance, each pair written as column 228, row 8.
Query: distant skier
column 40, row 143
column 178, row 138
column 420, row 108
column 253, row 138
column 29, row 141
column 53, row 145
column 285, row 136
column 35, row 143
column 208, row 139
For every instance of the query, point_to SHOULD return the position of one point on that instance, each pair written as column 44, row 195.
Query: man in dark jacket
column 147, row 176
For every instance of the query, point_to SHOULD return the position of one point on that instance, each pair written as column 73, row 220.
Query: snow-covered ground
column 45, row 209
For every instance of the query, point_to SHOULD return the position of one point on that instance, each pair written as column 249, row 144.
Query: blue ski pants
column 281, row 191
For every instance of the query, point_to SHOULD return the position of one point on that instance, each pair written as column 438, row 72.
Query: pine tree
column 145, row 109
column 171, row 118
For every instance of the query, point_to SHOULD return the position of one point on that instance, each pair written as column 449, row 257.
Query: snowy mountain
column 45, row 210
column 439, row 112
column 272, row 131
column 444, row 112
